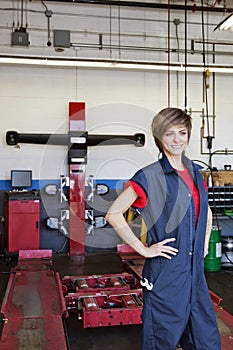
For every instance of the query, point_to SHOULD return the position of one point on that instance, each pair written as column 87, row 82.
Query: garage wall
column 35, row 99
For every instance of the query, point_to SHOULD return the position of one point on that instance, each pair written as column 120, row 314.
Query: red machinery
column 104, row 300
column 116, row 309
column 33, row 306
column 22, row 210
column 81, row 285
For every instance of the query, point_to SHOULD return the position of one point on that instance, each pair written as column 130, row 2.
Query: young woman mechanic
column 171, row 197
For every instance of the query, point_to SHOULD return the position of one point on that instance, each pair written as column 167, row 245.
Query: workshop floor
column 113, row 338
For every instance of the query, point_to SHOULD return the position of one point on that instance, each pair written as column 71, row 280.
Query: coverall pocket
column 164, row 273
column 152, row 269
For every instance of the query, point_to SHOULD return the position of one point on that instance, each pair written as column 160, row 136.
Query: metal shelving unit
column 220, row 198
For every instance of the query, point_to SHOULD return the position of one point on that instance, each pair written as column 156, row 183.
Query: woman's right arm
column 115, row 217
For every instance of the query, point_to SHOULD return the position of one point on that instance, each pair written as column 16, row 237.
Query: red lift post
column 77, row 195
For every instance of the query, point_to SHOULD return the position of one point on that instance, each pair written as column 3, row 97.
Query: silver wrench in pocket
column 146, row 284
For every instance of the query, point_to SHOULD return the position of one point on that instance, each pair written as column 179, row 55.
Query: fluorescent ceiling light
column 226, row 23
column 70, row 62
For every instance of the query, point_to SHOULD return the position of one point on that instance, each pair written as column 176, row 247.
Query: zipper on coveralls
column 190, row 222
column 191, row 229
column 191, row 246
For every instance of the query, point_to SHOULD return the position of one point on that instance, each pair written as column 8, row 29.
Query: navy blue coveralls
column 178, row 308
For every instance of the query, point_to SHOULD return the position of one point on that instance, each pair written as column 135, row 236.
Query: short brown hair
column 167, row 117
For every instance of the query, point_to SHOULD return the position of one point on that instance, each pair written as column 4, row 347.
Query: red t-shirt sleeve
column 141, row 200
column 205, row 185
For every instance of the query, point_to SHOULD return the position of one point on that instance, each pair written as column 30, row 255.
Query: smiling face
column 175, row 140
column 165, row 125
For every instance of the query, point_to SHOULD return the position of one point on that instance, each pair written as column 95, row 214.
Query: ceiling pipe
column 146, row 5
column 191, row 51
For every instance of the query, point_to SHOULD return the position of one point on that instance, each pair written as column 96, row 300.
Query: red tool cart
column 22, row 226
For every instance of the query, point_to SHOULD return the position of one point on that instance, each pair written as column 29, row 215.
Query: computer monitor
column 21, row 179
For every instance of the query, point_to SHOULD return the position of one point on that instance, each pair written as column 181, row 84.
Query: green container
column 212, row 261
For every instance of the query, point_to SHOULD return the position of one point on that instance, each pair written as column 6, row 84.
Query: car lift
column 33, row 307
column 77, row 141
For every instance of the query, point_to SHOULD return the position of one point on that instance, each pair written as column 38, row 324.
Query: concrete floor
column 112, row 338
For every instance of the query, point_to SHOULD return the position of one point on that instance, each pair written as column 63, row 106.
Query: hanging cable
column 214, row 81
column 17, row 14
column 13, row 14
column 177, row 23
column 185, row 58
column 26, row 15
column 21, row 26
column 168, row 57
column 119, row 30
column 205, row 73
column 209, row 137
column 206, row 77
column 48, row 14
column 110, row 30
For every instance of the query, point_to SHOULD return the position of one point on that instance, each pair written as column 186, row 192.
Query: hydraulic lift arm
column 13, row 138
